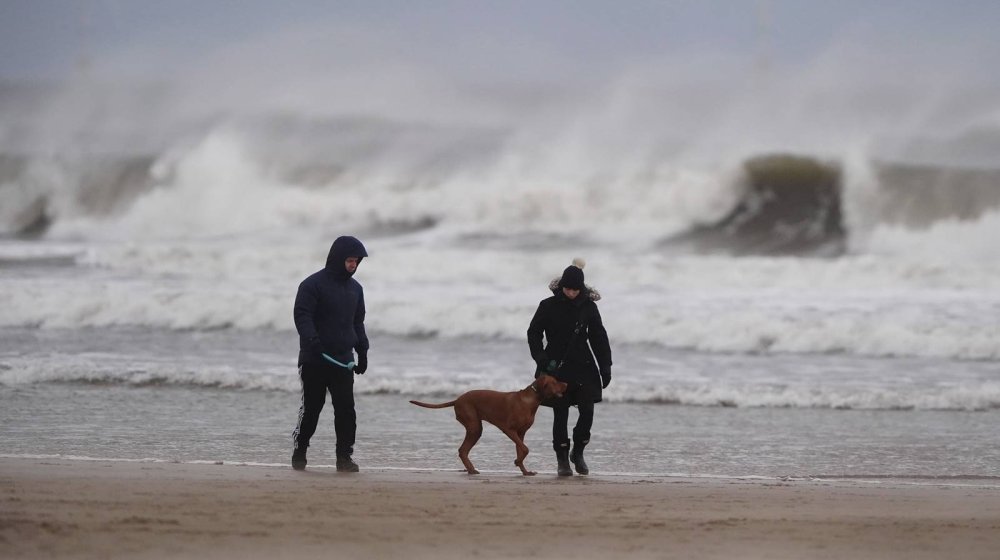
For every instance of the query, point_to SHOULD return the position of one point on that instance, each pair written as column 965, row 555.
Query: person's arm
column 359, row 329
column 536, row 330
column 304, row 313
column 600, row 344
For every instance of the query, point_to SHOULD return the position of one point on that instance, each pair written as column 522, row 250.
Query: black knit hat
column 572, row 278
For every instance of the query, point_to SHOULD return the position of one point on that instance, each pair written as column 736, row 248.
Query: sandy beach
column 56, row 508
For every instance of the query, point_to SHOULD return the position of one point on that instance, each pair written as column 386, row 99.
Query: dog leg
column 473, row 431
column 522, row 451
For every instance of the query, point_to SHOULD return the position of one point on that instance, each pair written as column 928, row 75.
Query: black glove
column 362, row 366
column 605, row 376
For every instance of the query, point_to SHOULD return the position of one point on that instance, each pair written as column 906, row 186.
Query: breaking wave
column 388, row 178
column 858, row 306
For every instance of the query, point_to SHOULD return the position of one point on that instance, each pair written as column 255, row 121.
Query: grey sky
column 49, row 38
column 724, row 76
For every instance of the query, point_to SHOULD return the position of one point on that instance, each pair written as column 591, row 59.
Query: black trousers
column 317, row 380
column 560, row 422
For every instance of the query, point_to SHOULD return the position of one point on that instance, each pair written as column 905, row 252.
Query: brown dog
column 512, row 412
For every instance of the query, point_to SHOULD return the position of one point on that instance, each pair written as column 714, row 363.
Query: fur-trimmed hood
column 590, row 291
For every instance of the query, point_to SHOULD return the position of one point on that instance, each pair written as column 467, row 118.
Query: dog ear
column 551, row 386
column 560, row 387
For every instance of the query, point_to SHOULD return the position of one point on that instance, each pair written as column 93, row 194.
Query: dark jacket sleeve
column 599, row 339
column 304, row 313
column 535, row 332
column 359, row 325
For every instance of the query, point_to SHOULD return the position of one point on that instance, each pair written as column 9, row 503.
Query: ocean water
column 765, row 366
column 793, row 303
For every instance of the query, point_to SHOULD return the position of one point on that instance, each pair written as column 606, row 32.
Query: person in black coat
column 575, row 350
column 330, row 319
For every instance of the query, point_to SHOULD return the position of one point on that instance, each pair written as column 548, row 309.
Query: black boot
column 299, row 458
column 577, row 457
column 562, row 458
column 345, row 464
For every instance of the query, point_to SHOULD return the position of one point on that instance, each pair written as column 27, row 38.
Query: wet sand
column 58, row 508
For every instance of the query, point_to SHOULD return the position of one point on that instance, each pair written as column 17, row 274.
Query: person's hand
column 605, row 376
column 362, row 366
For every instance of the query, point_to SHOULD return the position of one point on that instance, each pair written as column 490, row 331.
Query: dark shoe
column 562, row 458
column 345, row 464
column 299, row 458
column 577, row 457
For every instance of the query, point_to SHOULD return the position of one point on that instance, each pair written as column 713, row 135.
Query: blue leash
column 348, row 365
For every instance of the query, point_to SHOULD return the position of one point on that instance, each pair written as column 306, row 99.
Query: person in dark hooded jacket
column 575, row 350
column 330, row 319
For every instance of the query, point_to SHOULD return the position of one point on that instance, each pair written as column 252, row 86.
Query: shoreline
column 944, row 481
column 66, row 508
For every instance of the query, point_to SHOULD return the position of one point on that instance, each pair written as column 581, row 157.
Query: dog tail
column 442, row 405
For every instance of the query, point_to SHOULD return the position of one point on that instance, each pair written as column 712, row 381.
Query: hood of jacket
column 342, row 248
column 589, row 292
